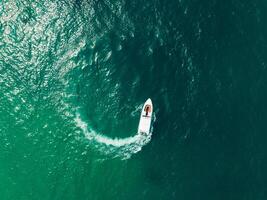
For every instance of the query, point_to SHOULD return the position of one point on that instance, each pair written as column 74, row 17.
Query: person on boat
column 147, row 110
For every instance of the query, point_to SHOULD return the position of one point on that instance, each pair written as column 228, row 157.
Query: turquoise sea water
column 74, row 75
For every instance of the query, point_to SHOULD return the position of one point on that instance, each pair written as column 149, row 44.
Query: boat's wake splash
column 123, row 148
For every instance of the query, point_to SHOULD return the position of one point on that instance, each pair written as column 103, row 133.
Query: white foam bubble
column 113, row 147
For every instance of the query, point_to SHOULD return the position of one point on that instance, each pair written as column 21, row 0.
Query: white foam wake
column 113, row 147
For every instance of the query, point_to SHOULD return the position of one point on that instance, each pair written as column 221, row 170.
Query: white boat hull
column 145, row 118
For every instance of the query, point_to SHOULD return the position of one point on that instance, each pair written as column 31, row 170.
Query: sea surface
column 74, row 75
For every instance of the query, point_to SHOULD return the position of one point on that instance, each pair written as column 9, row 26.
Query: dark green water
column 74, row 76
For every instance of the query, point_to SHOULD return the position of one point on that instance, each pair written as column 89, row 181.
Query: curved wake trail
column 123, row 148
